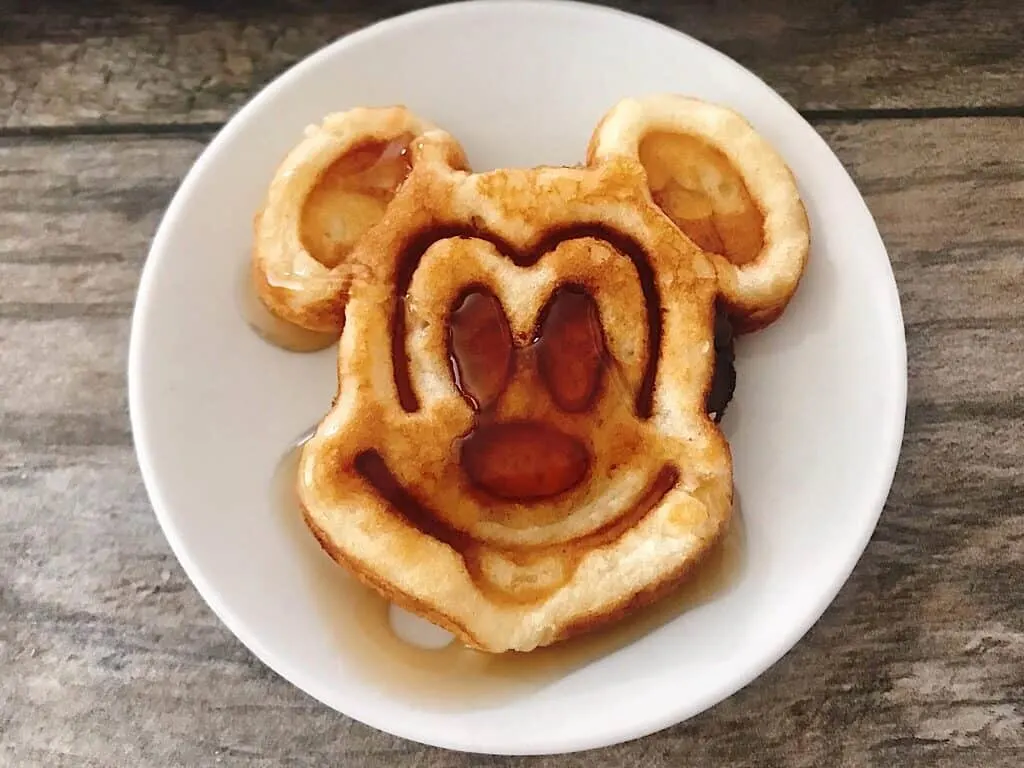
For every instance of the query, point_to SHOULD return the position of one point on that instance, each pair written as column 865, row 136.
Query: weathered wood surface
column 66, row 63
column 108, row 657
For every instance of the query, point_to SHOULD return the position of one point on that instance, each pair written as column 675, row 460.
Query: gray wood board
column 66, row 63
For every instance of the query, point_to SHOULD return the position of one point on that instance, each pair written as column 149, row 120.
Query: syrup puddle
column 271, row 328
column 414, row 660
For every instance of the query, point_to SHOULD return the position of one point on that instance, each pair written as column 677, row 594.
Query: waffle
column 726, row 188
column 326, row 194
column 521, row 448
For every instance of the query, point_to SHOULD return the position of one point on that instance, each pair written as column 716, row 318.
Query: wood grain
column 110, row 658
column 64, row 63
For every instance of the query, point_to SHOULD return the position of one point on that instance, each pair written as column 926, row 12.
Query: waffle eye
column 571, row 351
column 480, row 347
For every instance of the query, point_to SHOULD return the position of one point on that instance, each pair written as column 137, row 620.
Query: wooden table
column 108, row 656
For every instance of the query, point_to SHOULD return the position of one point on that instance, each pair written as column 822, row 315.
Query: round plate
column 815, row 427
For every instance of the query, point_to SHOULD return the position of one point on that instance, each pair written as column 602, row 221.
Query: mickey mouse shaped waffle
column 520, row 447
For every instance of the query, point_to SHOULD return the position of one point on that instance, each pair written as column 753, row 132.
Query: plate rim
column 664, row 718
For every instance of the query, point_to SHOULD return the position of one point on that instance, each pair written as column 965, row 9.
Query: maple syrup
column 703, row 193
column 454, row 677
column 570, row 349
column 271, row 328
column 525, row 460
column 351, row 196
column 480, row 348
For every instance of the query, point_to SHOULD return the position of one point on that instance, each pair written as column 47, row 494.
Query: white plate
column 815, row 428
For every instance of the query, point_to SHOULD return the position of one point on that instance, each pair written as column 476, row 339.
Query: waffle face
column 521, row 447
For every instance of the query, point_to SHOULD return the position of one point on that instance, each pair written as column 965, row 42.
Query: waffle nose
column 523, row 460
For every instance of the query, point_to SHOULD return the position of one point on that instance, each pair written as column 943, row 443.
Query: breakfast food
column 329, row 190
column 523, row 443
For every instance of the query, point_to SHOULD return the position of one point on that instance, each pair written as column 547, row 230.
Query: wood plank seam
column 73, row 130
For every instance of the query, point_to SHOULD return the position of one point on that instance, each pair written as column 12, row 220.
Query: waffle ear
column 724, row 187
column 329, row 191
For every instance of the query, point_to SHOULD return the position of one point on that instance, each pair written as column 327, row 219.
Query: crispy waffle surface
column 516, row 506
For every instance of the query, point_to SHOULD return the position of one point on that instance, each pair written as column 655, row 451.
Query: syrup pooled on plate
column 451, row 676
column 273, row 329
